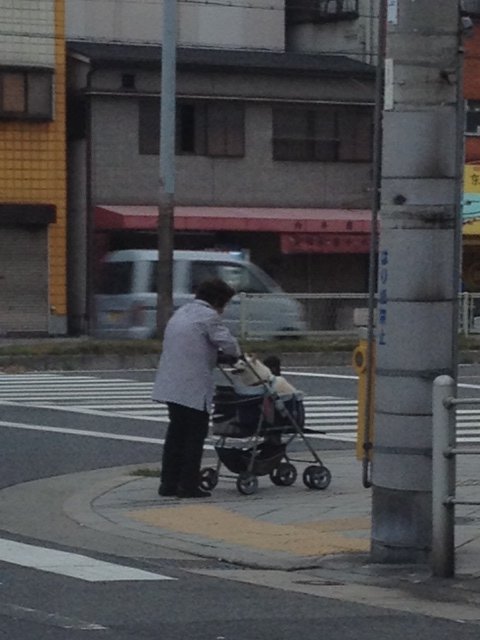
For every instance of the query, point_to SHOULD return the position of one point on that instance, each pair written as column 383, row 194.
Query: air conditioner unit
column 337, row 8
column 319, row 11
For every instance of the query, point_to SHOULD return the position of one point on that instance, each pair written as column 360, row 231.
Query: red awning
column 301, row 230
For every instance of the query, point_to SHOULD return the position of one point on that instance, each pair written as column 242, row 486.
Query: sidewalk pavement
column 301, row 539
column 290, row 538
column 275, row 528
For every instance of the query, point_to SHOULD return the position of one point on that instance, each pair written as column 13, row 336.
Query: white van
column 126, row 301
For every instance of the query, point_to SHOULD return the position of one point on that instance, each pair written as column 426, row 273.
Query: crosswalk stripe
column 131, row 399
column 333, row 416
column 338, row 401
column 69, row 564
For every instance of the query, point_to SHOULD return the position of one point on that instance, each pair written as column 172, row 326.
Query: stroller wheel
column 247, row 483
column 208, row 478
column 283, row 475
column 316, row 477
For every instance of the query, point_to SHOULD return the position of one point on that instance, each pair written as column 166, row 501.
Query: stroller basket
column 266, row 458
column 241, row 416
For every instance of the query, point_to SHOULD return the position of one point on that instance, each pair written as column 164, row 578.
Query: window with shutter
column 203, row 127
column 333, row 133
column 26, row 94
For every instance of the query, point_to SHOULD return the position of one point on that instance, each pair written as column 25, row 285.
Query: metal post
column 443, row 479
column 166, row 196
column 373, row 252
column 243, row 315
column 466, row 313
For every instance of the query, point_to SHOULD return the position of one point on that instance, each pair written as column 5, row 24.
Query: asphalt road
column 29, row 455
column 39, row 604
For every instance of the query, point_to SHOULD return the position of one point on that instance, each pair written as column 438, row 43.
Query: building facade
column 471, row 208
column 32, row 168
column 269, row 118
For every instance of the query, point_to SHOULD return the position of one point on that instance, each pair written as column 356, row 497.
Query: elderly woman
column 193, row 338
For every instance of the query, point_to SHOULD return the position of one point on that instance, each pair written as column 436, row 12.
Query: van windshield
column 116, row 278
column 238, row 276
column 265, row 278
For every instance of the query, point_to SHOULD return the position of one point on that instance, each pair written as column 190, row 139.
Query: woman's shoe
column 166, row 491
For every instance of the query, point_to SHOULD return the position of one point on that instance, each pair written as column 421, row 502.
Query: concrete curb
column 91, row 362
column 146, row 361
column 78, row 362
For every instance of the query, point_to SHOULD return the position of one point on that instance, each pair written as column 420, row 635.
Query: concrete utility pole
column 418, row 270
column 166, row 193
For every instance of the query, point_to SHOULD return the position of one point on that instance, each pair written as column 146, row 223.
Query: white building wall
column 252, row 26
column 27, row 30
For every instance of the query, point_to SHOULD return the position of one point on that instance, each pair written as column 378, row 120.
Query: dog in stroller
column 266, row 414
column 251, row 376
column 250, row 371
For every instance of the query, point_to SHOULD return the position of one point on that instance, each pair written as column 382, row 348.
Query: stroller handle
column 223, row 358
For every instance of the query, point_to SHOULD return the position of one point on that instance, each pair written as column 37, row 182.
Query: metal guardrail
column 470, row 313
column 444, row 454
column 335, row 313
column 322, row 313
column 469, row 309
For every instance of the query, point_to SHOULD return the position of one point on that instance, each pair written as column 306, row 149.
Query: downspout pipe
column 372, row 270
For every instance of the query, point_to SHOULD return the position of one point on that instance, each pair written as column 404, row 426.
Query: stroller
column 265, row 423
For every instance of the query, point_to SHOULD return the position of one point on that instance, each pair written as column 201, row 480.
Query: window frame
column 315, row 145
column 226, row 146
column 200, row 141
column 28, row 75
column 472, row 114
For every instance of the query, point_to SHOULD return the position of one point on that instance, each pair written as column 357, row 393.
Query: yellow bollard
column 364, row 432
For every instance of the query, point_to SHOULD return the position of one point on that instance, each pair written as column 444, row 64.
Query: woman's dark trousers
column 182, row 452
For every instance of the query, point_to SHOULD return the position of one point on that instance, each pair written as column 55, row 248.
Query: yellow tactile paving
column 300, row 539
column 338, row 524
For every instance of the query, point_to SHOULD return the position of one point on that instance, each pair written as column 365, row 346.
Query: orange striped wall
column 33, row 167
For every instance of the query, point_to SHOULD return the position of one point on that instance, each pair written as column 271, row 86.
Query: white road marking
column 340, row 376
column 80, row 432
column 69, row 564
column 129, row 399
column 330, row 416
column 84, row 432
column 11, row 610
column 337, row 376
column 466, row 385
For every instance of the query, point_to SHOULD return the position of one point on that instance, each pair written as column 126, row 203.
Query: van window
column 239, row 277
column 153, row 276
column 116, row 278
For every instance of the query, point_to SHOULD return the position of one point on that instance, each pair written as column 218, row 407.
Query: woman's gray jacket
column 193, row 336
